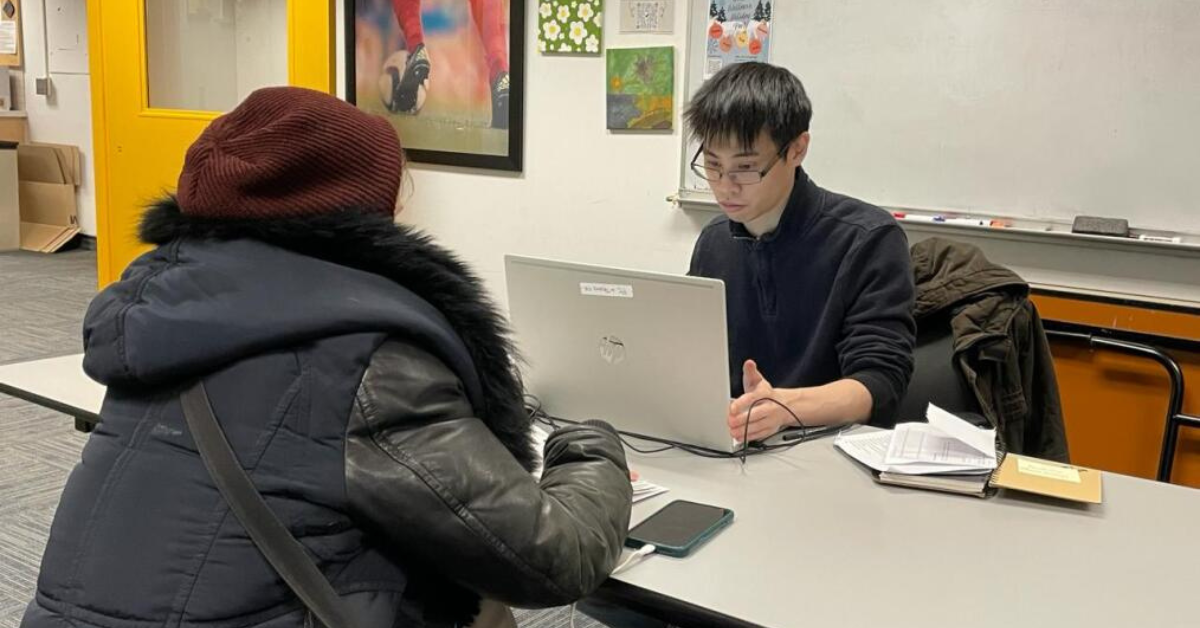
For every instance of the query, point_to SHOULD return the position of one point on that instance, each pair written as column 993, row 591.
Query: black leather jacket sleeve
column 430, row 481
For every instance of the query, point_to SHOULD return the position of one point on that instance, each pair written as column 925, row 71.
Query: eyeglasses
column 737, row 177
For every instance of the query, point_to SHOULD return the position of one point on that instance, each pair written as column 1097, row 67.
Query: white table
column 816, row 542
column 56, row 383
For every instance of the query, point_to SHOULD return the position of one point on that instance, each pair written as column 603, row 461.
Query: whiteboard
column 1041, row 109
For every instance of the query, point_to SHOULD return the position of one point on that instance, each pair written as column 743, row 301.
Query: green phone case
column 680, row 551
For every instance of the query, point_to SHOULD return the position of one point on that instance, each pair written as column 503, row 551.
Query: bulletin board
column 10, row 33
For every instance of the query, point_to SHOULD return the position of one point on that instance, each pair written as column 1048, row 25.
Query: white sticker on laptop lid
column 622, row 291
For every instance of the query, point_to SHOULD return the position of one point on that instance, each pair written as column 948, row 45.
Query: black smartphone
column 680, row 527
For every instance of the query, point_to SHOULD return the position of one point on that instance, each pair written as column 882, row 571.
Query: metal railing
column 1175, row 415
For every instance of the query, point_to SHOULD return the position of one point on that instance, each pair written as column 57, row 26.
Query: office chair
column 936, row 379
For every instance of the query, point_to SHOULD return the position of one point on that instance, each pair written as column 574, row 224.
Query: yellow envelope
column 1044, row 477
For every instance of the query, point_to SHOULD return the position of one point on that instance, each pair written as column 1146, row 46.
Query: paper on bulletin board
column 647, row 16
column 8, row 38
column 10, row 33
column 738, row 31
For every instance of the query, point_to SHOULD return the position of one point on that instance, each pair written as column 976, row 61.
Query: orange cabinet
column 1115, row 404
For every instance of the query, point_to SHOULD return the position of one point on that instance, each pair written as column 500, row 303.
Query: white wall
column 586, row 194
column 67, row 119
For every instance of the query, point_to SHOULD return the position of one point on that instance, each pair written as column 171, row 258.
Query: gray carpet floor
column 42, row 302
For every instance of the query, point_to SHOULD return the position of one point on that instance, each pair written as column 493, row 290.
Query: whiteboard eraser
column 1094, row 225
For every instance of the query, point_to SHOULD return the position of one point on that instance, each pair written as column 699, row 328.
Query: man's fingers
column 747, row 401
column 757, row 432
column 751, row 377
column 741, row 404
column 761, row 434
column 738, row 419
column 737, row 422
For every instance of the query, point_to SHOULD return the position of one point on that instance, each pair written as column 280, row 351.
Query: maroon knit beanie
column 288, row 152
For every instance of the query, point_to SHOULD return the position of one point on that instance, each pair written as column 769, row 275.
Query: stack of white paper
column 947, row 444
column 643, row 490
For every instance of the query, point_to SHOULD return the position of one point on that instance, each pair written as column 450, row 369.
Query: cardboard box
column 12, row 126
column 48, row 175
column 10, row 209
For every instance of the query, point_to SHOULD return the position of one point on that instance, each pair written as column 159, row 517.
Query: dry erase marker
column 970, row 222
column 937, row 219
column 1167, row 239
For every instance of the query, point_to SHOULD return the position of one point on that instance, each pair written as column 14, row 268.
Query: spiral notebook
column 975, row 484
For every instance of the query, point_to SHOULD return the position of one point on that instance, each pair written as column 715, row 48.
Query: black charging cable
column 746, row 432
column 538, row 414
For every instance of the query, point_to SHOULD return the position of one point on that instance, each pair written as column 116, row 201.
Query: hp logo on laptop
column 612, row 350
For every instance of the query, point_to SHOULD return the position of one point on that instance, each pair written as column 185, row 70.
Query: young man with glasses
column 818, row 285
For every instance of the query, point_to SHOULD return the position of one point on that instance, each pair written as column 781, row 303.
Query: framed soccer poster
column 448, row 75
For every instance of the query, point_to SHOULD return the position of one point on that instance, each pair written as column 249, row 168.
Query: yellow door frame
column 311, row 43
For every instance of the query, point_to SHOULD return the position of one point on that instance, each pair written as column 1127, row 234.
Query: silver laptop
column 646, row 352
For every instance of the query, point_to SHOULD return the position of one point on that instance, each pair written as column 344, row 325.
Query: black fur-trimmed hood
column 214, row 291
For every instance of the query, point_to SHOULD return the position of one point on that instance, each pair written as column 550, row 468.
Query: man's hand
column 767, row 417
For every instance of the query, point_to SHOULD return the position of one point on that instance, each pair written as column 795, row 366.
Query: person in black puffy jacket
column 364, row 381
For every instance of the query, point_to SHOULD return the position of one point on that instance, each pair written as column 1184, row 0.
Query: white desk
column 816, row 542
column 56, row 383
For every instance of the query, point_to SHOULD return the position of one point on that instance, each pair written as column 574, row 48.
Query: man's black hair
column 743, row 99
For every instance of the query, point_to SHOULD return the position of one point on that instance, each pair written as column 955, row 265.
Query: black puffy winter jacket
column 367, row 387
